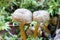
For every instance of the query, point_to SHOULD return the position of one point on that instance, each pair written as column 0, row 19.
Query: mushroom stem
column 36, row 30
column 22, row 32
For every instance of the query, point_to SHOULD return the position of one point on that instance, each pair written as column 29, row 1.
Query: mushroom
column 23, row 16
column 42, row 18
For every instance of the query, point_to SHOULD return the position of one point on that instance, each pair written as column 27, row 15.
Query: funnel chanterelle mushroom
column 23, row 16
column 42, row 17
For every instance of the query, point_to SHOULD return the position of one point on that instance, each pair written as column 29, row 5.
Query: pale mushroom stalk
column 41, row 17
column 23, row 16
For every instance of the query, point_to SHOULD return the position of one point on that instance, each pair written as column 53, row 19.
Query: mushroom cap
column 41, row 16
column 22, row 15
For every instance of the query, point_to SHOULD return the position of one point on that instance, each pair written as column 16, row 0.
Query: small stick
column 22, row 32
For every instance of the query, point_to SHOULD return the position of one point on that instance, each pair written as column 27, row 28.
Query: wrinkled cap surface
column 22, row 15
column 41, row 16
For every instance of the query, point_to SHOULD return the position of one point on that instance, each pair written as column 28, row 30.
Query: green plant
column 53, row 6
column 29, row 4
column 32, row 38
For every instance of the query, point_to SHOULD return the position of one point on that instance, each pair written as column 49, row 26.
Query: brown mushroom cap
column 41, row 16
column 22, row 15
